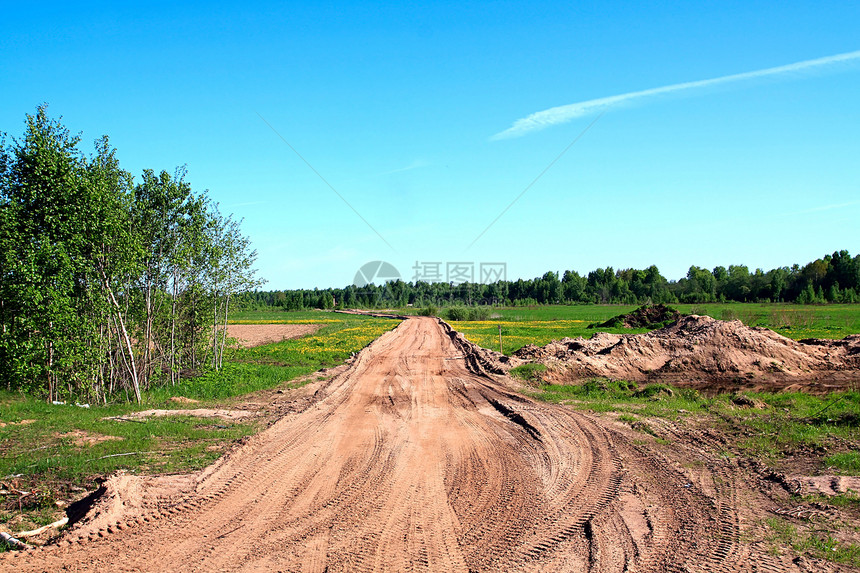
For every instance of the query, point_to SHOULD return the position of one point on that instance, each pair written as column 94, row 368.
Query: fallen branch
column 12, row 542
column 124, row 419
column 43, row 529
column 13, row 491
column 117, row 456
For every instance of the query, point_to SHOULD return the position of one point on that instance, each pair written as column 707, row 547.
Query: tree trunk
column 131, row 363
column 173, row 332
column 215, row 329
column 224, row 334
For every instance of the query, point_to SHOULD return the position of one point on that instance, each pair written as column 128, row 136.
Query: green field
column 286, row 317
column 542, row 324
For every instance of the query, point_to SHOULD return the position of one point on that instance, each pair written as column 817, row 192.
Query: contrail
column 565, row 113
column 823, row 208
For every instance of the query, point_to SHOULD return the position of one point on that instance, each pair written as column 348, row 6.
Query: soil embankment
column 705, row 353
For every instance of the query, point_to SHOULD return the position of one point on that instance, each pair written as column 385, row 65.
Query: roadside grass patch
column 792, row 421
column 818, row 543
column 531, row 372
column 850, row 499
column 601, row 395
column 788, row 422
column 42, row 450
column 847, row 462
column 51, row 456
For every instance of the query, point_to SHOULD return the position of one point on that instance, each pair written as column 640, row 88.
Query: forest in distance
column 834, row 278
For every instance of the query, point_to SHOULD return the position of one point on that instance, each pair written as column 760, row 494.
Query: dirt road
column 410, row 461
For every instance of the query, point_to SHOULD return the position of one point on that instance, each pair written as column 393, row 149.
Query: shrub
column 429, row 310
column 468, row 313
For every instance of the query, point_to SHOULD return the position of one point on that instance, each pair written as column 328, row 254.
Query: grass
column 789, row 422
column 159, row 444
column 846, row 462
column 601, row 395
column 54, row 451
column 817, row 542
column 252, row 369
column 532, row 372
column 793, row 421
column 851, row 499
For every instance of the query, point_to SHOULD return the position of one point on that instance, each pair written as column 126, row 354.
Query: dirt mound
column 81, row 438
column 479, row 360
column 702, row 349
column 128, row 497
column 646, row 316
column 827, row 485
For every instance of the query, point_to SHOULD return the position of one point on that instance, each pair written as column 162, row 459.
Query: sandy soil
column 415, row 458
column 250, row 335
column 198, row 412
column 707, row 354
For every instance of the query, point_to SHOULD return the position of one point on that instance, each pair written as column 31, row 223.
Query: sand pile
column 647, row 316
column 700, row 348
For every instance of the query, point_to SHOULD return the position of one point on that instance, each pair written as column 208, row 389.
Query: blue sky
column 397, row 106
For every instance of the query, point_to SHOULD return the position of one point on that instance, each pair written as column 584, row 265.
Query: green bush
column 471, row 313
column 429, row 310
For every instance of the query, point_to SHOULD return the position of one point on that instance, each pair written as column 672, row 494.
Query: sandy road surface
column 409, row 461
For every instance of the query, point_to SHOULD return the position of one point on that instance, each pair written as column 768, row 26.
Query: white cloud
column 565, row 113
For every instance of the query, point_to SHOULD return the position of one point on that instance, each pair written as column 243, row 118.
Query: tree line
column 108, row 285
column 832, row 278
